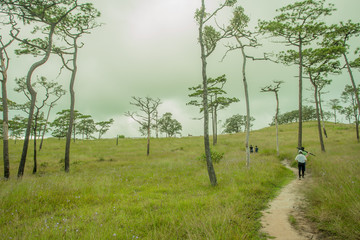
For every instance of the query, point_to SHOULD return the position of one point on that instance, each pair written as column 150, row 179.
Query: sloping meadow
column 116, row 192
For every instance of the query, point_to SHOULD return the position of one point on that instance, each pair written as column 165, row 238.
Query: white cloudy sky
column 150, row 48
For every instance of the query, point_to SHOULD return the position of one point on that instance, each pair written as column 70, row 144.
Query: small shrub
column 215, row 156
column 44, row 164
column 292, row 220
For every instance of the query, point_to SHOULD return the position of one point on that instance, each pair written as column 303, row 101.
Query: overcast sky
column 150, row 48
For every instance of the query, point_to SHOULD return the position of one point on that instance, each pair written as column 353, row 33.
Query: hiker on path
column 301, row 159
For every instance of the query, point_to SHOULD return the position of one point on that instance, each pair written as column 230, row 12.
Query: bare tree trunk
column 35, row 150
column 148, row 137
column 33, row 100
column 74, row 125
column 356, row 117
column 156, row 124
column 322, row 115
column 247, row 113
column 5, row 117
column 215, row 127
column 72, row 108
column 276, row 123
column 352, row 82
column 300, row 94
column 247, row 126
column 357, row 129
column 214, row 120
column 46, row 123
column 210, row 167
column 318, row 115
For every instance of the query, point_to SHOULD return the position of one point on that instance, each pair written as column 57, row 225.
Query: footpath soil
column 288, row 205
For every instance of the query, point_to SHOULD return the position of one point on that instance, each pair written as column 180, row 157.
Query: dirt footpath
column 286, row 206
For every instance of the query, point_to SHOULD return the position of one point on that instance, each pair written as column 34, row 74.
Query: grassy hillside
column 116, row 192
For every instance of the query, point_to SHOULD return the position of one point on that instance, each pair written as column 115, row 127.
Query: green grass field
column 116, row 192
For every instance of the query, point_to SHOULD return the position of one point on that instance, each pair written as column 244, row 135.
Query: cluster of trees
column 348, row 108
column 56, row 27
column 345, row 106
column 237, row 123
column 309, row 114
column 312, row 45
column 84, row 126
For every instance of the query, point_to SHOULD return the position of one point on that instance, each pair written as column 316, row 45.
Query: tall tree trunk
column 318, row 114
column 213, row 119
column 210, row 167
column 300, row 94
column 352, row 82
column 247, row 126
column 72, row 108
column 322, row 115
column 156, row 125
column 35, row 134
column 356, row 117
column 357, row 128
column 148, row 136
column 33, row 100
column 215, row 127
column 5, row 117
column 276, row 123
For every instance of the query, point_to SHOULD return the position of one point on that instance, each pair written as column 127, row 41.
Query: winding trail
column 275, row 219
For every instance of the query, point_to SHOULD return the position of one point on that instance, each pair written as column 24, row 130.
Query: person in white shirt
column 301, row 158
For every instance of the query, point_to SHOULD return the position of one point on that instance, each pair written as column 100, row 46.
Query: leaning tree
column 340, row 35
column 49, row 89
column 319, row 63
column 74, row 26
column 43, row 16
column 208, row 38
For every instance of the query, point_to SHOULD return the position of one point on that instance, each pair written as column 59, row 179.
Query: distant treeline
column 309, row 114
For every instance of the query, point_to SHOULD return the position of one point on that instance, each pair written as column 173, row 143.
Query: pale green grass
column 334, row 195
column 335, row 198
column 116, row 192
